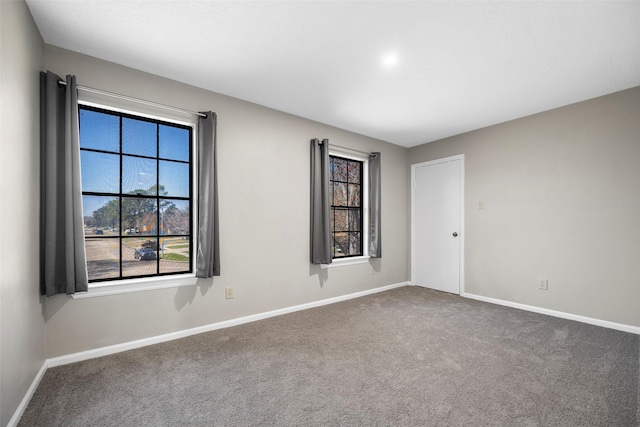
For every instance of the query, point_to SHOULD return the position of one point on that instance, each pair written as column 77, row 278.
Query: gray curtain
column 320, row 207
column 208, row 250
column 375, row 240
column 63, row 264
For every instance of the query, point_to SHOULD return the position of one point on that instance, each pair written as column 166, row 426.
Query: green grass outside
column 179, row 246
column 175, row 257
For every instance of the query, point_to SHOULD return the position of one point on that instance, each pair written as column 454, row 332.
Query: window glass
column 136, row 187
column 100, row 130
column 174, row 217
column 346, row 206
column 174, row 178
column 103, row 259
column 100, row 171
column 174, row 143
column 139, row 137
column 139, row 176
column 175, row 255
column 104, row 215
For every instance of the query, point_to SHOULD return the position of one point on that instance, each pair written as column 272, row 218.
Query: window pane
column 354, row 195
column 331, row 195
column 354, row 172
column 139, row 137
column 174, row 143
column 341, row 220
column 100, row 172
column 143, row 168
column 339, row 194
column 139, row 256
column 354, row 220
column 139, row 216
column 103, row 258
column 341, row 244
column 331, row 167
column 101, row 215
column 174, row 217
column 139, row 176
column 333, row 246
column 339, row 169
column 174, row 179
column 99, row 131
column 174, row 256
column 332, row 219
column 354, row 244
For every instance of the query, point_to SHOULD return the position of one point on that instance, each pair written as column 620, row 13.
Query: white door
column 437, row 206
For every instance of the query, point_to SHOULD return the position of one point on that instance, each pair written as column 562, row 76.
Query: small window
column 136, row 195
column 346, row 190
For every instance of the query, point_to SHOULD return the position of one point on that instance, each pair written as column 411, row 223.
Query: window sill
column 136, row 285
column 347, row 261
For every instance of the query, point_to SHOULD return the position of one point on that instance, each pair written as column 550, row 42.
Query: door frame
column 461, row 233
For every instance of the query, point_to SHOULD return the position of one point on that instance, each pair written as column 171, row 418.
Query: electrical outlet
column 543, row 284
column 228, row 292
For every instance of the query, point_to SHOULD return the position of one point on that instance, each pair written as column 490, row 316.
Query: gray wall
column 264, row 217
column 22, row 328
column 561, row 201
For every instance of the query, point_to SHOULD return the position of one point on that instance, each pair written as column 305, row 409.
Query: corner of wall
column 22, row 326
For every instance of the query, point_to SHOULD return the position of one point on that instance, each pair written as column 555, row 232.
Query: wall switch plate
column 228, row 292
column 543, row 284
column 480, row 205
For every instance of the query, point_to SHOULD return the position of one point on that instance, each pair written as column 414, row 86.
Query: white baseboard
column 554, row 313
column 117, row 348
column 27, row 397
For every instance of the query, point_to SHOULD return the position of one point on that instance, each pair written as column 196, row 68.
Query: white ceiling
column 461, row 65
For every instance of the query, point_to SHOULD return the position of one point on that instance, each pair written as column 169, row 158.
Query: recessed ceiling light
column 390, row 60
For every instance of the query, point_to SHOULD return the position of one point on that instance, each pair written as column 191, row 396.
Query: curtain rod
column 351, row 149
column 130, row 98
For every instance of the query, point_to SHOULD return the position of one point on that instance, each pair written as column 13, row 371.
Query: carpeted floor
column 405, row 357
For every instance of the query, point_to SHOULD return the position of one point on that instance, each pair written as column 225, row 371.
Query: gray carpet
column 406, row 357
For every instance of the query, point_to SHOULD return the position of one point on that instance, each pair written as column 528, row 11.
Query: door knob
column 455, row 234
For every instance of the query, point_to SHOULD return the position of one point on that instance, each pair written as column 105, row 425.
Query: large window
column 136, row 195
column 346, row 190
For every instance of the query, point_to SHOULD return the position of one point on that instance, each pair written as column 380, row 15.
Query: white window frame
column 364, row 258
column 150, row 111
